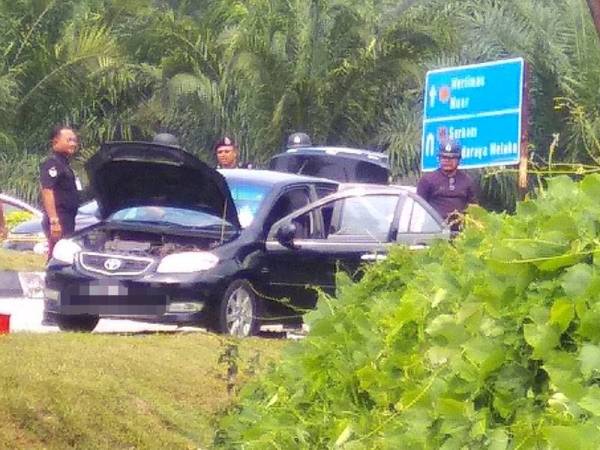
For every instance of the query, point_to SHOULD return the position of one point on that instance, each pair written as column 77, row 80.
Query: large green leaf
column 576, row 280
column 589, row 356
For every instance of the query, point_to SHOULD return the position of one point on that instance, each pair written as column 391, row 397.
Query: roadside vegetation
column 491, row 341
column 157, row 390
column 21, row 261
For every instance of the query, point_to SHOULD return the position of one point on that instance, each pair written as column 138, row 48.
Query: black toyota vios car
column 173, row 245
column 180, row 242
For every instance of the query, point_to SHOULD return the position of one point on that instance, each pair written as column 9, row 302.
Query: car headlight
column 65, row 251
column 187, row 262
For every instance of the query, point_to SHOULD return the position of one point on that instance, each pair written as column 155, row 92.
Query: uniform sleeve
column 49, row 173
column 424, row 188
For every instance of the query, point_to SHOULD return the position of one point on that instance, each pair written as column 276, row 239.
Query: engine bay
column 142, row 243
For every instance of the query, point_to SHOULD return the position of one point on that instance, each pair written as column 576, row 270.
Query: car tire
column 239, row 310
column 84, row 323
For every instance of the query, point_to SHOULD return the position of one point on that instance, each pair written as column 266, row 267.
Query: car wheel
column 83, row 324
column 239, row 310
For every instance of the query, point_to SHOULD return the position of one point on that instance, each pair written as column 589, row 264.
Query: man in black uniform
column 228, row 155
column 448, row 190
column 60, row 198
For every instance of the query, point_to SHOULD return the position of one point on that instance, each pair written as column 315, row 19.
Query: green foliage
column 344, row 71
column 16, row 217
column 14, row 261
column 491, row 341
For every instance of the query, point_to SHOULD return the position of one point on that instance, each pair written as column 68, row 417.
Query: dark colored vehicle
column 180, row 242
column 29, row 235
column 335, row 163
column 12, row 204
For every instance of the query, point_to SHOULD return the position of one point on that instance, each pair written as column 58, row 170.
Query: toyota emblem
column 112, row 264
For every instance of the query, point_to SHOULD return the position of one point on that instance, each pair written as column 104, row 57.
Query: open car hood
column 124, row 174
column 346, row 165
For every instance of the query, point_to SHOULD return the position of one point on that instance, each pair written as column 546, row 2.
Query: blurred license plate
column 103, row 289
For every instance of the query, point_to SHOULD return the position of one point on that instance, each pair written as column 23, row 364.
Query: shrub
column 16, row 217
column 491, row 341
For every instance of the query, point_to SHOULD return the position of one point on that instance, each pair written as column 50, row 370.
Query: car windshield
column 171, row 216
column 89, row 208
column 247, row 196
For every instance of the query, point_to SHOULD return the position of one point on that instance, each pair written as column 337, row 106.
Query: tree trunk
column 595, row 10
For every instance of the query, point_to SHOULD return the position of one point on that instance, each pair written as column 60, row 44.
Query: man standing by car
column 448, row 190
column 60, row 198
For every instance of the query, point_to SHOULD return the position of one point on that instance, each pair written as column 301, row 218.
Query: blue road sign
column 479, row 106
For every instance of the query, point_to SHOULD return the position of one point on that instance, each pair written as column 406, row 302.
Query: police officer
column 448, row 190
column 298, row 140
column 60, row 197
column 227, row 154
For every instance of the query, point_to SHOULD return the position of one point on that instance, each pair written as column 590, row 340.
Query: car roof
column 270, row 177
column 378, row 187
column 348, row 152
column 21, row 204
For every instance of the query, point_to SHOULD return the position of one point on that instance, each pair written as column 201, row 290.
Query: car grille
column 114, row 264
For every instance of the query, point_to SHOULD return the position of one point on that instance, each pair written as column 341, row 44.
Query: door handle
column 373, row 257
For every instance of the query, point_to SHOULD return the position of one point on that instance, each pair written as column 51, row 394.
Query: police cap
column 225, row 141
column 450, row 149
column 166, row 139
column 296, row 140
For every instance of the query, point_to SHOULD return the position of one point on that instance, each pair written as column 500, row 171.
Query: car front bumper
column 159, row 299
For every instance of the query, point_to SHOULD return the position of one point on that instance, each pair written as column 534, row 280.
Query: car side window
column 405, row 213
column 325, row 190
column 368, row 216
column 423, row 222
column 287, row 203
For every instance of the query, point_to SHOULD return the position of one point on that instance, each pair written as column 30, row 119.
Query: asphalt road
column 26, row 316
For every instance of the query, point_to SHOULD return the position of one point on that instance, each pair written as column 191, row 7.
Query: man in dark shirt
column 448, row 190
column 228, row 154
column 60, row 198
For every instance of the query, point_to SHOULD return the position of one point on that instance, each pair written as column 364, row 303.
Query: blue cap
column 450, row 149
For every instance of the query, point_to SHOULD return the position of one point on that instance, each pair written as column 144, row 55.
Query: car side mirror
column 286, row 234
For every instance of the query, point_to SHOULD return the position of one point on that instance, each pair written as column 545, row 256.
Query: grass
column 70, row 390
column 22, row 261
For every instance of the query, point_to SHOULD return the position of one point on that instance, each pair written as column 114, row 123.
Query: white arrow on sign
column 432, row 96
column 430, row 145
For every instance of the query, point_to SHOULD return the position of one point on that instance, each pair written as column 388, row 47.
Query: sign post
column 481, row 106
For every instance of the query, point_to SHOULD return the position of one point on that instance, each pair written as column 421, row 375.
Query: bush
column 489, row 342
column 16, row 217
